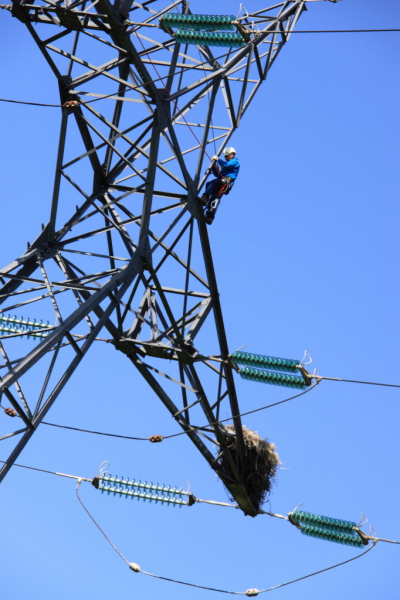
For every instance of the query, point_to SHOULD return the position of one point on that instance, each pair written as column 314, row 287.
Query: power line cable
column 250, row 592
column 192, row 499
column 95, row 522
column 126, row 437
column 108, row 96
column 30, row 103
column 335, row 31
column 4, row 462
column 142, row 439
column 136, row 568
column 256, row 592
column 319, row 377
column 193, row 428
column 128, row 22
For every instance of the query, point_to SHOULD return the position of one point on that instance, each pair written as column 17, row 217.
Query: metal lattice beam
column 108, row 267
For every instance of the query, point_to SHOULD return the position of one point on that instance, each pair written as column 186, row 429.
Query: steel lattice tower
column 133, row 258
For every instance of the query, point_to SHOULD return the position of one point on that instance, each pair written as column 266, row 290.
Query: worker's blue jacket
column 228, row 168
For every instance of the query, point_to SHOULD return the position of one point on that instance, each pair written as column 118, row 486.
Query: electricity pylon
column 138, row 113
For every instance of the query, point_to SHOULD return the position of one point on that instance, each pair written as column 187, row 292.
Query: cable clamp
column 252, row 592
column 70, row 104
column 362, row 535
column 10, row 412
column 306, row 375
column 134, row 567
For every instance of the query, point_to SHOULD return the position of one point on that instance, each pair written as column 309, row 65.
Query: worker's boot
column 204, row 199
column 209, row 217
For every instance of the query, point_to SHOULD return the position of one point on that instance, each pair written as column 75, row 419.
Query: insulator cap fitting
column 192, row 500
column 134, row 567
column 156, row 438
column 252, row 592
column 10, row 412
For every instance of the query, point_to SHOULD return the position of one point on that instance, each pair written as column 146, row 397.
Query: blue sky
column 306, row 253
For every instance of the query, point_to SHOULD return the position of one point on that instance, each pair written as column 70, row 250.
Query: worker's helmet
column 229, row 150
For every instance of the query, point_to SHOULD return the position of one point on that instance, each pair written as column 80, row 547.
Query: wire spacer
column 10, row 412
column 252, row 592
column 71, row 104
column 156, row 438
column 134, row 567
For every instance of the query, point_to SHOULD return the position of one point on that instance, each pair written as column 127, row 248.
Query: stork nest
column 260, row 463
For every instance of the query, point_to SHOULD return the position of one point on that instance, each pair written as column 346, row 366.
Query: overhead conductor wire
column 142, row 439
column 194, row 499
column 251, row 592
column 108, row 96
column 111, row 96
column 194, row 428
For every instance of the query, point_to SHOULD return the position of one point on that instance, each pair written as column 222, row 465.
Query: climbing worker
column 226, row 172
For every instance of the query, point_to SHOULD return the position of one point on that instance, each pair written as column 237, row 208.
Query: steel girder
column 134, row 257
